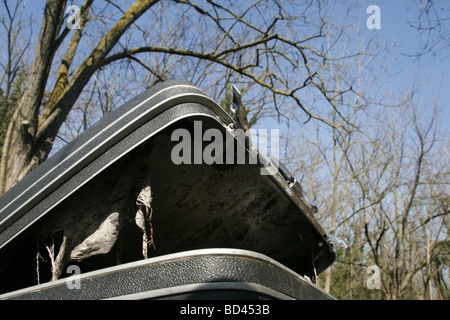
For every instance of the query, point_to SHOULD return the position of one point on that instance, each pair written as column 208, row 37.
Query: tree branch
column 214, row 58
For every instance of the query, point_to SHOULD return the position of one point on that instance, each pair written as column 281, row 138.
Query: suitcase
column 130, row 210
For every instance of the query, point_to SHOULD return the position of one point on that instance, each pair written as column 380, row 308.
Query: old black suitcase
column 81, row 224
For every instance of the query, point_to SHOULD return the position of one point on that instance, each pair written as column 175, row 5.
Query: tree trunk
column 19, row 155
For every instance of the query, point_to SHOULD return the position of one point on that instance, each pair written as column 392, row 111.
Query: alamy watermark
column 374, row 20
column 74, row 281
column 220, row 150
column 374, row 280
column 73, row 20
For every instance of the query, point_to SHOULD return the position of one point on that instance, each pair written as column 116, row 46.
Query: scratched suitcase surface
column 163, row 198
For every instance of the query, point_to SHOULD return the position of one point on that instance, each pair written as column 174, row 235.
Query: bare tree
column 432, row 27
column 256, row 44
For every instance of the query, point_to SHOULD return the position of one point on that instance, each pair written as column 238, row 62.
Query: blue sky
column 430, row 73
